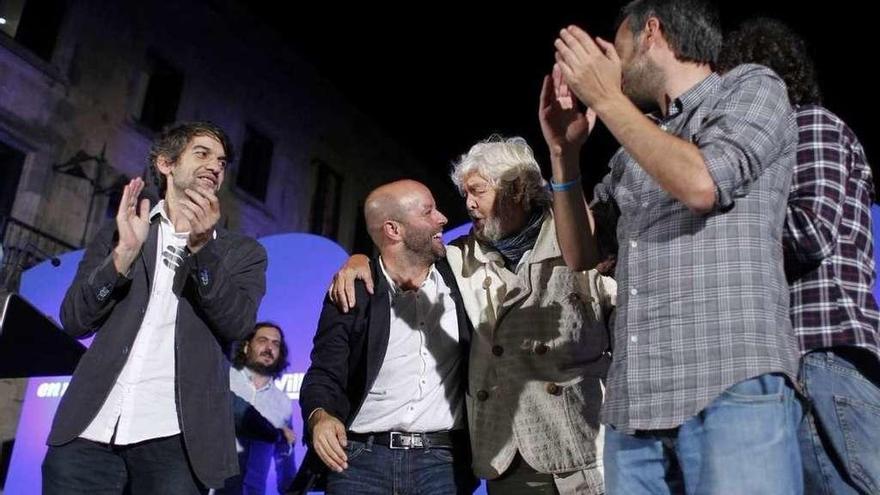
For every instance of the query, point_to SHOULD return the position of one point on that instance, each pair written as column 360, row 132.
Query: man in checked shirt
column 829, row 262
column 704, row 357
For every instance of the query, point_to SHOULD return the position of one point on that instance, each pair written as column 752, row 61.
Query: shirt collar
column 249, row 374
column 159, row 211
column 689, row 99
column 392, row 286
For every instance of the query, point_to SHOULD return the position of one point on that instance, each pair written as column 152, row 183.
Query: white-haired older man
column 539, row 346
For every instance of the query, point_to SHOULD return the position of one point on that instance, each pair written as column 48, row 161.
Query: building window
column 160, row 88
column 255, row 164
column 326, row 201
column 11, row 165
column 114, row 197
column 362, row 241
column 34, row 24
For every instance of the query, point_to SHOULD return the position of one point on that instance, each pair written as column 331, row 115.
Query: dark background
column 441, row 76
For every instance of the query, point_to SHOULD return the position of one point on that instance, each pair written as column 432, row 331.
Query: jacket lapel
column 464, row 323
column 148, row 252
column 379, row 329
column 544, row 249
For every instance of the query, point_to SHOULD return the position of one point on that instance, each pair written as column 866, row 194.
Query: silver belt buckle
column 405, row 441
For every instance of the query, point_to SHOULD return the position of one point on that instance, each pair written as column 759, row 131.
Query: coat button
column 497, row 350
column 487, row 282
column 553, row 389
column 542, row 349
column 482, row 395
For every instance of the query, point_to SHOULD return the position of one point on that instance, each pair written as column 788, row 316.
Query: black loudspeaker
column 31, row 344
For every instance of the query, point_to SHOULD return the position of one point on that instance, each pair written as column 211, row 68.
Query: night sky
column 440, row 76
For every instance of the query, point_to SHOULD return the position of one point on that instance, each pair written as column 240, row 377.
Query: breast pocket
column 581, row 337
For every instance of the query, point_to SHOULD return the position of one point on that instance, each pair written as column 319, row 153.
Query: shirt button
column 424, row 381
column 633, row 243
column 633, row 291
column 553, row 389
column 125, row 350
column 497, row 350
column 487, row 282
column 634, row 339
column 482, row 395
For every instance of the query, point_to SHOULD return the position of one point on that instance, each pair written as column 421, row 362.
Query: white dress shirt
column 272, row 403
column 418, row 388
column 141, row 405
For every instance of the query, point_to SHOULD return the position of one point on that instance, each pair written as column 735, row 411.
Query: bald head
column 391, row 201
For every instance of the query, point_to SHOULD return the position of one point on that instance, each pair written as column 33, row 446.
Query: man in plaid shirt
column 829, row 262
column 704, row 357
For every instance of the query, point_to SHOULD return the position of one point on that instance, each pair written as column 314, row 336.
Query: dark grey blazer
column 219, row 289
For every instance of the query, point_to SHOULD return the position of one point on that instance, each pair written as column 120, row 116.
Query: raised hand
column 201, row 210
column 132, row 224
column 564, row 127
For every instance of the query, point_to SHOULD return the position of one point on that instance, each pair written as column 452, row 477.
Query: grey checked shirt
column 703, row 300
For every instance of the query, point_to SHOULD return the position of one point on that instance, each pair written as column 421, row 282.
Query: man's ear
column 164, row 165
column 391, row 229
column 652, row 32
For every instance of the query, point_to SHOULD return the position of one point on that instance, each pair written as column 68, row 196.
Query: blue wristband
column 565, row 186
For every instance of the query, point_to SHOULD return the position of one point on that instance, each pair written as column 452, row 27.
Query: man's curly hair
column 239, row 354
column 773, row 44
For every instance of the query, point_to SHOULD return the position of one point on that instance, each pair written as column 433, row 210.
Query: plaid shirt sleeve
column 741, row 135
column 817, row 198
column 827, row 240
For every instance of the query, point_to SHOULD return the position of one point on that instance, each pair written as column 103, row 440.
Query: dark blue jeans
column 840, row 438
column 377, row 469
column 145, row 468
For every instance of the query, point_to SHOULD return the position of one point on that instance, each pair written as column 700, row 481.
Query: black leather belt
column 406, row 440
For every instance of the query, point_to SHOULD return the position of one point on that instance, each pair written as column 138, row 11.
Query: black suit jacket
column 348, row 352
column 219, row 291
